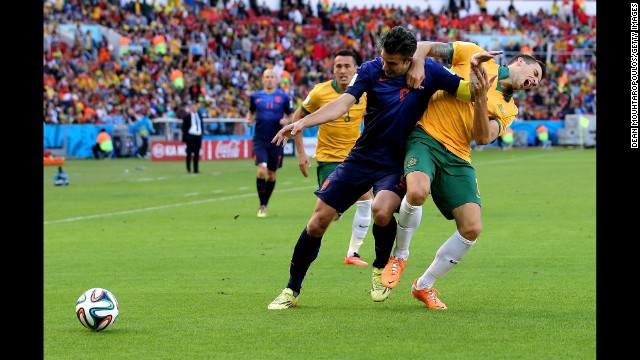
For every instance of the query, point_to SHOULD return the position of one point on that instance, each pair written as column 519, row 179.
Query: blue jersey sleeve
column 361, row 82
column 441, row 77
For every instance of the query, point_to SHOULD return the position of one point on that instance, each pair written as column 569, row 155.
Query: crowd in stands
column 215, row 51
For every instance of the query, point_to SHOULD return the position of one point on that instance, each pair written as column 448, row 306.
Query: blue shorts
column 352, row 179
column 266, row 152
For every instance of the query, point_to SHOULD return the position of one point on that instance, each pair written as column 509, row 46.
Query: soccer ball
column 97, row 309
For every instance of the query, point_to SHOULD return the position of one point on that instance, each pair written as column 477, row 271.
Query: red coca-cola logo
column 229, row 149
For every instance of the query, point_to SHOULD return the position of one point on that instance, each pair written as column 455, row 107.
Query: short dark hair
column 348, row 52
column 400, row 41
column 529, row 59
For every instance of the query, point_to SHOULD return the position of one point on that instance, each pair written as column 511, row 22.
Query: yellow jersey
column 337, row 137
column 450, row 121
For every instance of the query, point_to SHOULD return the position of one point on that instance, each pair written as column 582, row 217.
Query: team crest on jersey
column 412, row 162
column 278, row 99
column 501, row 108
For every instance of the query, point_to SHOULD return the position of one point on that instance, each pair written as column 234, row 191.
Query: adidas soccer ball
column 97, row 309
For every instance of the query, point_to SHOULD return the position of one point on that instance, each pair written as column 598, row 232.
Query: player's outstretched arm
column 329, row 112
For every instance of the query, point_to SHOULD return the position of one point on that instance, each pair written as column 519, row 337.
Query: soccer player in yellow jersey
column 335, row 140
column 438, row 155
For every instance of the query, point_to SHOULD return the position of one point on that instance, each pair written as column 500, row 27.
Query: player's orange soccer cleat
column 355, row 260
column 392, row 271
column 428, row 296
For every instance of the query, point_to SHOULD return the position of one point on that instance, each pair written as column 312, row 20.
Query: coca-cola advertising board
column 211, row 150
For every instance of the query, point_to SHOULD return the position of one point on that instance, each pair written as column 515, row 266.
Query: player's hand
column 286, row 132
column 415, row 74
column 480, row 83
column 303, row 163
column 479, row 58
column 283, row 121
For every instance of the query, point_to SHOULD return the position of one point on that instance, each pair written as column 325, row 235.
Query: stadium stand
column 92, row 77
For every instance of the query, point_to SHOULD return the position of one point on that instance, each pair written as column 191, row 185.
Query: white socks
column 360, row 225
column 408, row 221
column 446, row 258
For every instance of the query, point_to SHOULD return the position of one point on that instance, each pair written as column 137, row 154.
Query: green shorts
column 453, row 180
column 324, row 170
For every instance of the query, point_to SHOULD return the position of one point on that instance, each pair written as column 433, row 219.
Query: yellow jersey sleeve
column 312, row 102
column 464, row 92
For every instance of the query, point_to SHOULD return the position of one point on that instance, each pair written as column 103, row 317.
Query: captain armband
column 464, row 92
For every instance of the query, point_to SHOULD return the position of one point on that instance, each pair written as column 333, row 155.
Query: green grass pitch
column 194, row 269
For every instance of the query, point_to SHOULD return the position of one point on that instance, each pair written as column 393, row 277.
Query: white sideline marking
column 151, row 179
column 231, row 197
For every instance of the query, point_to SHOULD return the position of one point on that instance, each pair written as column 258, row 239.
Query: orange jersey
column 450, row 121
column 103, row 136
column 335, row 138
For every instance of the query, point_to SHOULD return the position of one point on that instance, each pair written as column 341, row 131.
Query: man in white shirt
column 192, row 136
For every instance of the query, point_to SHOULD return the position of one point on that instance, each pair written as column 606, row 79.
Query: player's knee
column 382, row 218
column 417, row 197
column 319, row 223
column 314, row 229
column 471, row 231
